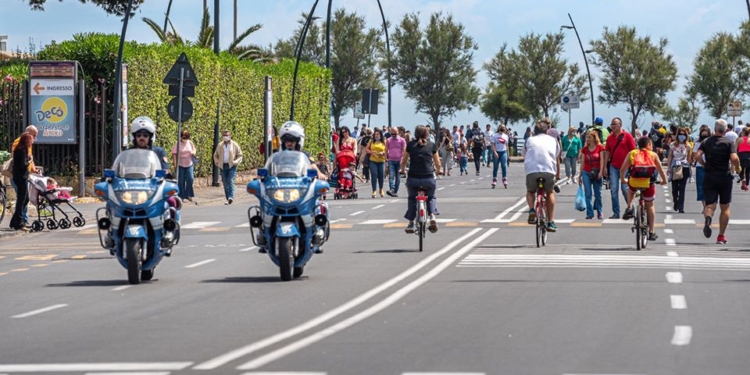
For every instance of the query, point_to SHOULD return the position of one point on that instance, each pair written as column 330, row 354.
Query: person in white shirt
column 499, row 143
column 487, row 154
column 541, row 153
column 731, row 135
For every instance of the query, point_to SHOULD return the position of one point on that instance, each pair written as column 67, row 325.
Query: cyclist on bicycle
column 424, row 164
column 541, row 153
column 641, row 164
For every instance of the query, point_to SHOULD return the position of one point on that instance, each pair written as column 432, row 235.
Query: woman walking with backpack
column 592, row 165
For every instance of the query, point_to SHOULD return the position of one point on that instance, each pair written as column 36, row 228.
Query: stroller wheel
column 355, row 195
column 78, row 222
column 51, row 225
column 37, row 226
column 64, row 223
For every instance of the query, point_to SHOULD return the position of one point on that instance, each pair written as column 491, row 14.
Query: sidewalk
column 204, row 196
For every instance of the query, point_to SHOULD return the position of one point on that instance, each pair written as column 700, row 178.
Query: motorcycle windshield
column 136, row 164
column 288, row 164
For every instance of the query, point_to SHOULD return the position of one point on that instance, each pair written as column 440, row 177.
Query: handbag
column 449, row 146
column 8, row 168
column 677, row 173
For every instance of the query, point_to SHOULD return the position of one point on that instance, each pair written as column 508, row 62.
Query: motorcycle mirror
column 109, row 173
column 161, row 173
column 312, row 173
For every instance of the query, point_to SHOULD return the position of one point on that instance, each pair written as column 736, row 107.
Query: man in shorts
column 541, row 153
column 719, row 152
column 641, row 164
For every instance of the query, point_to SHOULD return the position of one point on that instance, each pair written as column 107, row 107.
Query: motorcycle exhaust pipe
column 256, row 221
column 104, row 223
column 321, row 220
column 170, row 225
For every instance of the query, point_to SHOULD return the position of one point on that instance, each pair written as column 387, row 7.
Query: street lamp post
column 585, row 60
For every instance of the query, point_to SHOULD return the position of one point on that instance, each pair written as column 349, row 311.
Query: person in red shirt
column 592, row 158
column 619, row 144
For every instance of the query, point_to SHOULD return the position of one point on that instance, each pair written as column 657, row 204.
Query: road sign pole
column 179, row 126
column 569, row 120
column 81, row 138
column 268, row 114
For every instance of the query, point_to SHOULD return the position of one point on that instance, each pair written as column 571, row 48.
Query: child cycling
column 641, row 165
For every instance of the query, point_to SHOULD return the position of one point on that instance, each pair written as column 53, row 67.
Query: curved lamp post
column 116, row 113
column 301, row 43
column 585, row 60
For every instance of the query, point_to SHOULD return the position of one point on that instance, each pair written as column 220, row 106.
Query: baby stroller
column 346, row 186
column 48, row 198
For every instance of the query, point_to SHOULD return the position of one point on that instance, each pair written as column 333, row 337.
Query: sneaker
column 614, row 216
column 589, row 217
column 432, row 226
column 390, row 193
column 707, row 227
column 230, row 200
column 477, row 173
column 551, row 227
column 599, row 215
column 652, row 236
column 721, row 240
column 410, row 228
column 628, row 213
column 381, row 193
column 373, row 194
column 532, row 217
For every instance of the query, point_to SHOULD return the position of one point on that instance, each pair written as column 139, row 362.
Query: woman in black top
column 21, row 161
column 424, row 163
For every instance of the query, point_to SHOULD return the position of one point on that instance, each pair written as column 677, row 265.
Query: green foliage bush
column 238, row 87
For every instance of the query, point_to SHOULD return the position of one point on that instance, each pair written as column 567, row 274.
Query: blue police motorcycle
column 291, row 222
column 142, row 226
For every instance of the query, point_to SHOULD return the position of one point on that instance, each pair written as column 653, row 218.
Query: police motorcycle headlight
column 285, row 195
column 135, row 197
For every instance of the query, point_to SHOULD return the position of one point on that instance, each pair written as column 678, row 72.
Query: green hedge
column 238, row 86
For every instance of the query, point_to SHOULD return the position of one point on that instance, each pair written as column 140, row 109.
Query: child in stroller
column 48, row 197
column 347, row 187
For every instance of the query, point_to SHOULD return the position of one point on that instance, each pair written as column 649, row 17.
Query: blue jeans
column 227, row 179
column 614, row 181
column 412, row 184
column 25, row 209
column 592, row 187
column 394, row 178
column 570, row 166
column 699, row 183
column 500, row 160
column 487, row 155
column 377, row 174
column 463, row 163
column 185, row 182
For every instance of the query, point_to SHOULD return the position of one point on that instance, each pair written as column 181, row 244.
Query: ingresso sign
column 52, row 101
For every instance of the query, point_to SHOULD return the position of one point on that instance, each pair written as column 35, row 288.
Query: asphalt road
column 481, row 299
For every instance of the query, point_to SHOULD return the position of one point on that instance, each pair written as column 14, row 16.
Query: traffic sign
column 187, row 109
column 570, row 101
column 358, row 110
column 188, row 91
column 734, row 109
column 173, row 77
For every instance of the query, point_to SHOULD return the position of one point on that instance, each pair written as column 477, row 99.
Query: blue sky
column 687, row 24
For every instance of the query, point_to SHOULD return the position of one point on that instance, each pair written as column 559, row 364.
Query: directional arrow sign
column 173, row 77
column 38, row 88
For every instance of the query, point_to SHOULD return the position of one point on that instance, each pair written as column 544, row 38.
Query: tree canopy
column 434, row 65
column 117, row 7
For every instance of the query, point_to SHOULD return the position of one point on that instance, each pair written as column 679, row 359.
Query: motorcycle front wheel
column 133, row 251
column 286, row 256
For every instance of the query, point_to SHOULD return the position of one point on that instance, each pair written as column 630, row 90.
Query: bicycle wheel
column 421, row 235
column 638, row 232
column 541, row 224
column 644, row 227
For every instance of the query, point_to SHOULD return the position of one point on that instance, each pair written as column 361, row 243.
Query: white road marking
column 36, row 312
column 249, row 248
column 507, row 211
column 453, row 184
column 668, row 201
column 672, row 254
column 356, row 213
column 444, row 373
column 378, row 206
column 564, row 221
column 83, row 367
column 669, row 208
column 682, row 335
column 87, row 226
column 207, row 261
column 472, row 180
column 378, row 222
column 199, row 224
column 739, row 222
column 617, row 221
column 336, row 221
column 285, row 373
column 678, row 302
column 394, row 200
column 367, row 313
column 445, row 220
column 245, row 225
column 668, row 231
column 481, row 178
column 441, row 188
column 129, row 373
column 679, row 221
column 674, row 277
column 668, row 217
column 122, row 287
column 223, row 359
column 670, row 241
column 490, row 260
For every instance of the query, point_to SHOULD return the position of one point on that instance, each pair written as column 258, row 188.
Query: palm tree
column 206, row 37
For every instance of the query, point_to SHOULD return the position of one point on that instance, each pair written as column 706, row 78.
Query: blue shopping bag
column 580, row 202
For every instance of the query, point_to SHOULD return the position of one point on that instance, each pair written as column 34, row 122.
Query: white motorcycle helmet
column 142, row 123
column 293, row 131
